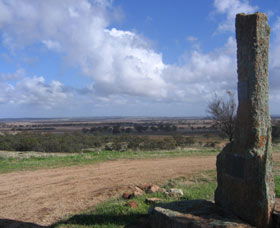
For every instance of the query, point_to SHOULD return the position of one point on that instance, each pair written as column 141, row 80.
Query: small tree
column 223, row 113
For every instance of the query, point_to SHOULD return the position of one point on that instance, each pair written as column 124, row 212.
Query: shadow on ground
column 7, row 223
column 127, row 221
column 204, row 209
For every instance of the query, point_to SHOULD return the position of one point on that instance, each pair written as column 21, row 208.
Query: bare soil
column 45, row 196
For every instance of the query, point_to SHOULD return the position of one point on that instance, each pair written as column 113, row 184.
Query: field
column 83, row 188
column 159, row 125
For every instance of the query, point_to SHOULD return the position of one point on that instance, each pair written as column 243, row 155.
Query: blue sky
column 123, row 57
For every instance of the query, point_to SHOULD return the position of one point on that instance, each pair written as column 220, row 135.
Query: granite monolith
column 244, row 169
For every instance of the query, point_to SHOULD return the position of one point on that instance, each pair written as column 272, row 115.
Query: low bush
column 77, row 142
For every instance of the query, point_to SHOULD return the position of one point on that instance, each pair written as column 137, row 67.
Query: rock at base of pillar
column 193, row 214
column 245, row 185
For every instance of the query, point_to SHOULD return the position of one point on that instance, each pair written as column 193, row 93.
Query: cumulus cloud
column 123, row 66
column 33, row 91
column 230, row 8
column 202, row 74
column 52, row 45
column 118, row 61
column 36, row 91
column 19, row 74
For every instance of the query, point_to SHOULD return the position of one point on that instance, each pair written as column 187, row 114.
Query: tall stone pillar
column 244, row 170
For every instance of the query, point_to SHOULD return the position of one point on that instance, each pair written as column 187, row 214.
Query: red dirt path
column 45, row 196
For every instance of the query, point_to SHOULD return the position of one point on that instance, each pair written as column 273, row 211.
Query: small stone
column 175, row 192
column 138, row 192
column 152, row 200
column 153, row 188
column 132, row 204
column 144, row 187
column 127, row 195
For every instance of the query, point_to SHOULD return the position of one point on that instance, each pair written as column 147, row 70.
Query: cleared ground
column 45, row 196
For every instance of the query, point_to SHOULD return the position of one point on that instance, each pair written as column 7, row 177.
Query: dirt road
column 45, row 196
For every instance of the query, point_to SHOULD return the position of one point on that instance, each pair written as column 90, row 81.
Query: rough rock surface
column 244, row 171
column 138, row 192
column 193, row 214
column 175, row 192
column 153, row 188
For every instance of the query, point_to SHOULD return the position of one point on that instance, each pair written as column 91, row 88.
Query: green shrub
column 183, row 141
column 76, row 142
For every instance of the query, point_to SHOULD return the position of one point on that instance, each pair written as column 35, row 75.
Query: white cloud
column 34, row 91
column 230, row 8
column 122, row 64
column 19, row 74
column 202, row 74
column 52, row 45
column 118, row 61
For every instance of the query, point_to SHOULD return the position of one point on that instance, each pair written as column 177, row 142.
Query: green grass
column 277, row 185
column 33, row 163
column 115, row 213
